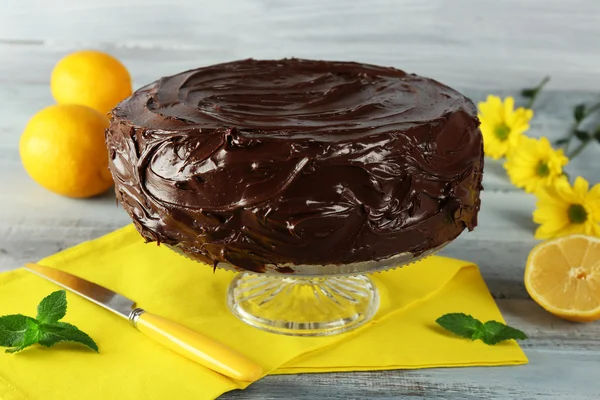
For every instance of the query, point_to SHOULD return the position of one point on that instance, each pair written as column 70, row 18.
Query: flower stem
column 588, row 111
column 536, row 91
column 579, row 149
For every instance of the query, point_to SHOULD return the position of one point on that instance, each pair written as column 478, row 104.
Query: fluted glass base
column 303, row 306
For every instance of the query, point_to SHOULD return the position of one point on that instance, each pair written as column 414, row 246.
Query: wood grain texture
column 479, row 47
column 544, row 378
column 507, row 43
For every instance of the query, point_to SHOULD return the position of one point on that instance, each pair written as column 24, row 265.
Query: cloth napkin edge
column 294, row 371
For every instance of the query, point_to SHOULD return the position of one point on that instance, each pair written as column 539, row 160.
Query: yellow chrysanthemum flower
column 565, row 210
column 502, row 126
column 534, row 164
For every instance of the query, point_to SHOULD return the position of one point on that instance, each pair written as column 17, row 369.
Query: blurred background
column 464, row 43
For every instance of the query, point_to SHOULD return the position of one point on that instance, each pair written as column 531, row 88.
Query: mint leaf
column 12, row 329
column 462, row 325
column 65, row 332
column 496, row 332
column 31, row 336
column 19, row 331
column 53, row 307
column 491, row 332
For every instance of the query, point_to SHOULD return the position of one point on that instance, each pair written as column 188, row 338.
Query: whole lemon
column 92, row 78
column 62, row 148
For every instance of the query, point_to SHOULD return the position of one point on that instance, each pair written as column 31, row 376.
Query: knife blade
column 178, row 338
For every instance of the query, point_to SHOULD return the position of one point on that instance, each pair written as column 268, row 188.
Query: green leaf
column 562, row 141
column 19, row 331
column 597, row 133
column 528, row 92
column 64, row 332
column 31, row 336
column 491, row 332
column 12, row 329
column 53, row 307
column 579, row 112
column 496, row 332
column 460, row 324
column 582, row 135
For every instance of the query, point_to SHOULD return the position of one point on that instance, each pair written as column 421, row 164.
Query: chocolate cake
column 272, row 164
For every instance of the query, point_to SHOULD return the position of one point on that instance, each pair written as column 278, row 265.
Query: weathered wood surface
column 479, row 47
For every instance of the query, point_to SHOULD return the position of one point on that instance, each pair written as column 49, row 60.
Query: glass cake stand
column 311, row 301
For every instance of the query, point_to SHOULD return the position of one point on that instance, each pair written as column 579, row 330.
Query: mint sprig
column 52, row 308
column 19, row 331
column 466, row 326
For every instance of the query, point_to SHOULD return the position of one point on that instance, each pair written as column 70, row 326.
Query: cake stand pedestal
column 303, row 306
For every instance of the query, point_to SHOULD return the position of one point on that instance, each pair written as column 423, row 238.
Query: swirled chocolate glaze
column 260, row 163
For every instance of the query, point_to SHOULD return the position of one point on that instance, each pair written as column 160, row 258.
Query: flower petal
column 494, row 148
column 550, row 230
column 508, row 107
column 565, row 192
column 492, row 108
column 592, row 200
column 595, row 231
column 580, row 189
column 520, row 129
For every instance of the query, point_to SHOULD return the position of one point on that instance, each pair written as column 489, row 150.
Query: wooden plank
column 550, row 375
column 480, row 44
column 549, row 333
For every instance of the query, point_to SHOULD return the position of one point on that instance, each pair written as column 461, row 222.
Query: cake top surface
column 320, row 100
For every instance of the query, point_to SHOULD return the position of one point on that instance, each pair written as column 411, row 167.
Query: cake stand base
column 301, row 306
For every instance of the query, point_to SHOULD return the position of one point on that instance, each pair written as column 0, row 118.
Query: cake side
column 297, row 162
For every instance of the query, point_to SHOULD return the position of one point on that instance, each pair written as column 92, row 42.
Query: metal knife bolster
column 134, row 316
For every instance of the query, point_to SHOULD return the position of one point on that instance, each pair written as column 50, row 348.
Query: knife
column 184, row 341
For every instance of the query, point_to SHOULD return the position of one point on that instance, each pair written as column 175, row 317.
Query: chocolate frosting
column 294, row 161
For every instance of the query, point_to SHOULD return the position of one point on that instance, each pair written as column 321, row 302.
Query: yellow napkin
column 402, row 335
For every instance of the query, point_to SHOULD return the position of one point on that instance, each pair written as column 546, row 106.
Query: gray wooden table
column 479, row 47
